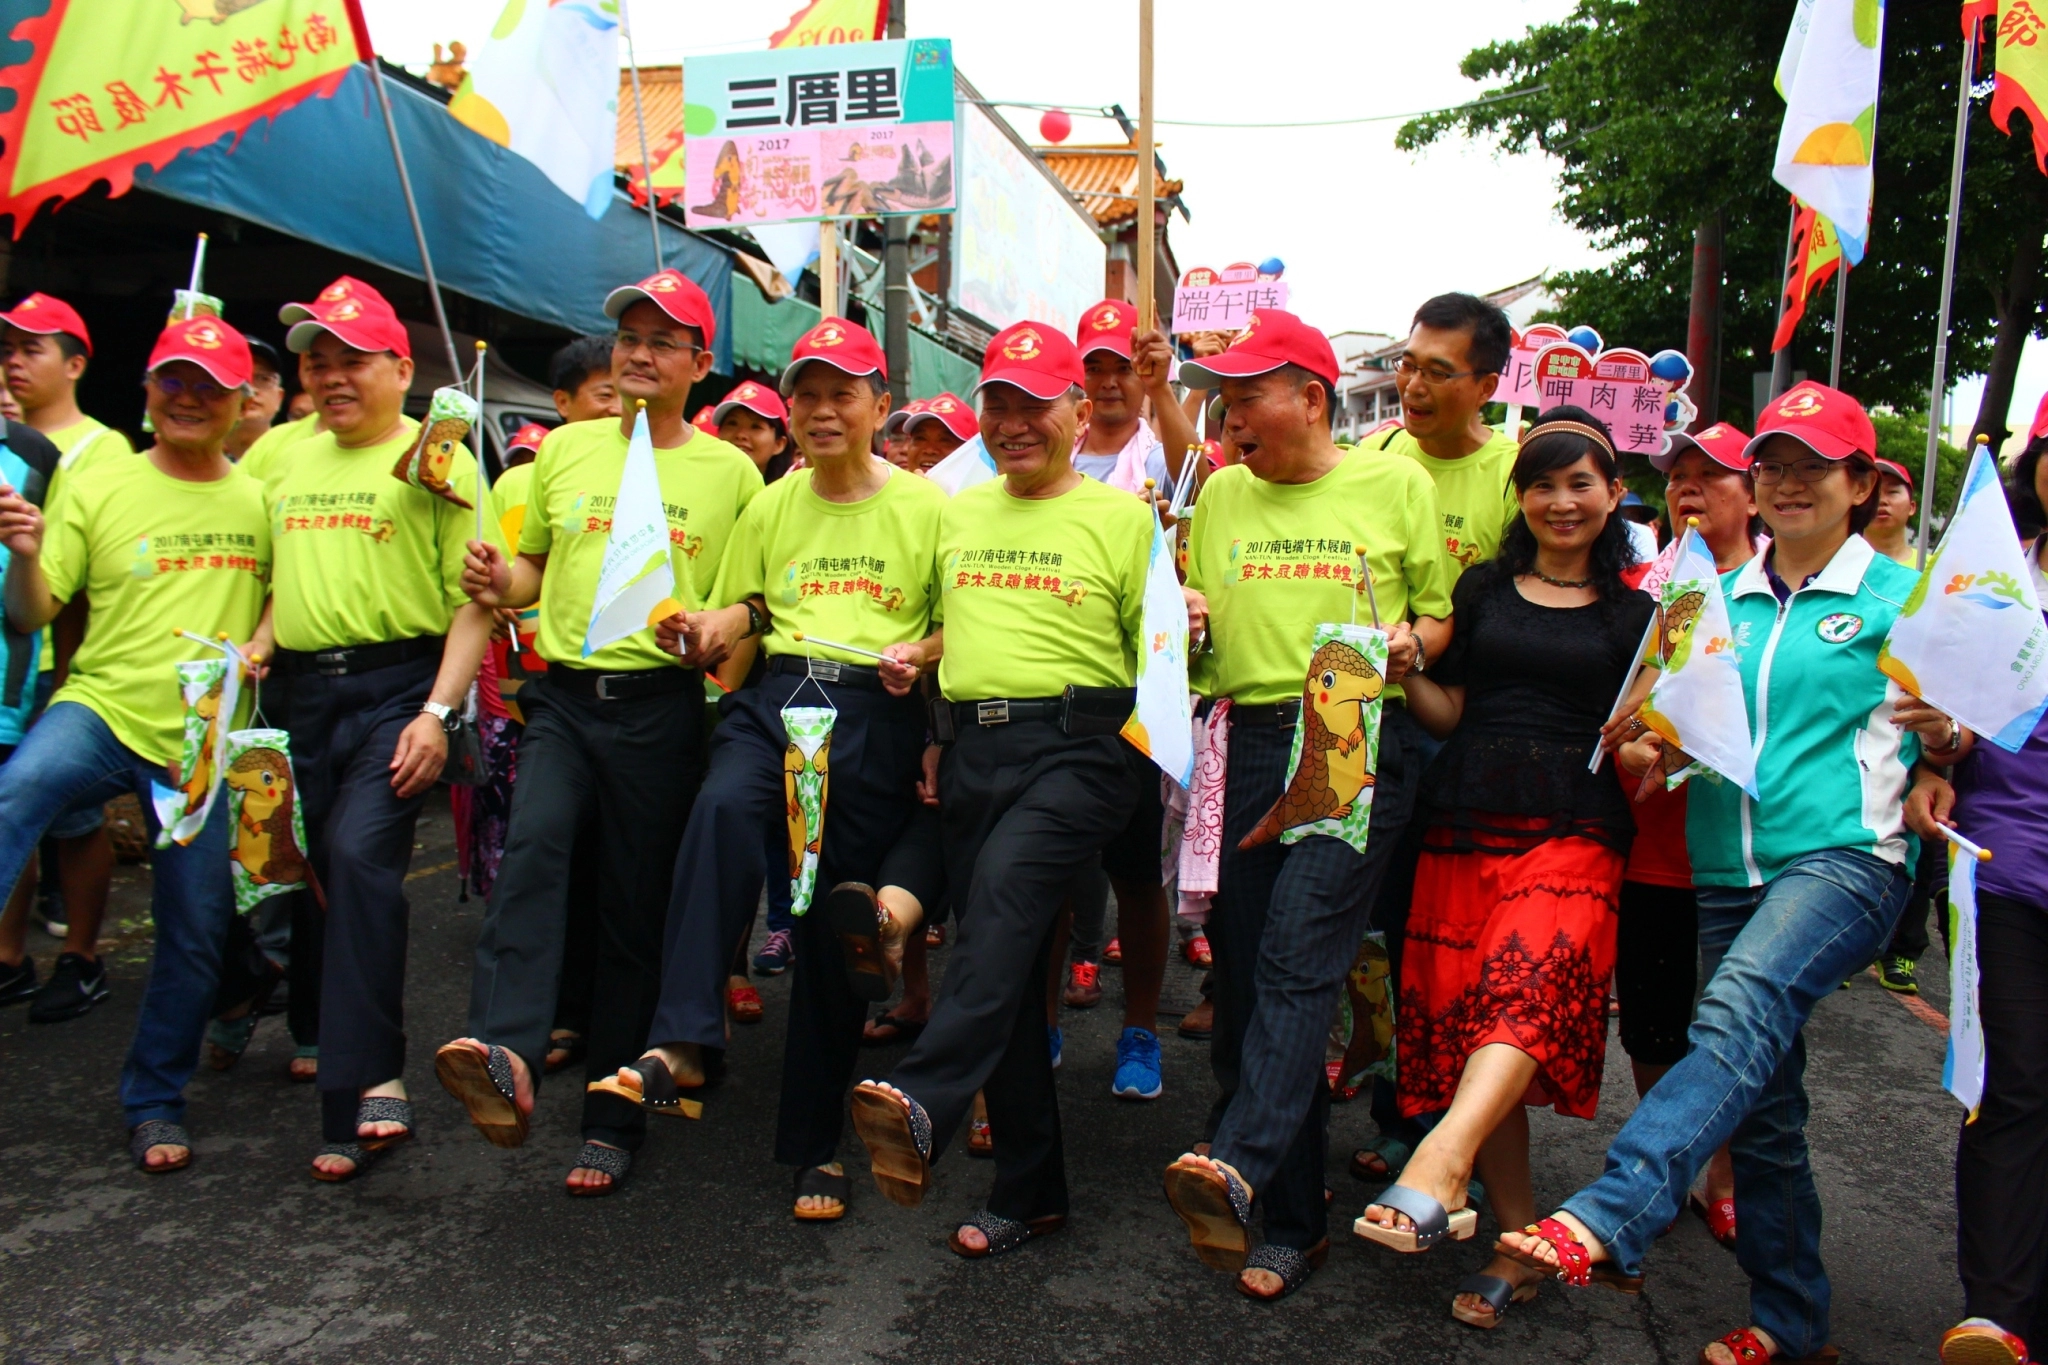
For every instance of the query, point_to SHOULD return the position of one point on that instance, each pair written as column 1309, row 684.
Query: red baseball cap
column 1036, row 358
column 47, row 316
column 2040, row 427
column 355, row 312
column 950, row 411
column 1723, row 444
column 675, row 294
column 755, row 398
column 896, row 421
column 210, row 344
column 1826, row 421
column 1271, row 339
column 1897, row 470
column 843, row 345
column 702, row 421
column 1108, row 326
column 527, row 437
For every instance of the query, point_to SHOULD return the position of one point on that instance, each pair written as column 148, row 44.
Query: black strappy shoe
column 383, row 1109
column 819, row 1183
column 1004, row 1234
column 657, row 1091
column 611, row 1161
column 1292, row 1266
column 158, row 1133
column 361, row 1153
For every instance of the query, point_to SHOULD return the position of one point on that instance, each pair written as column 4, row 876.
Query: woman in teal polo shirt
column 1796, row 890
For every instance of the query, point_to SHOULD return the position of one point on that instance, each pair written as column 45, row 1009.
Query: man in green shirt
column 841, row 550
column 1274, row 553
column 377, row 644
column 175, row 537
column 46, row 348
column 614, row 734
column 1041, row 591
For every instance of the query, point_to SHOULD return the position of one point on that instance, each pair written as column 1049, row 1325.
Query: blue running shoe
column 1057, row 1041
column 1137, row 1066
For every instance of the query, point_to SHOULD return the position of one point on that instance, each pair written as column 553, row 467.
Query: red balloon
column 1055, row 125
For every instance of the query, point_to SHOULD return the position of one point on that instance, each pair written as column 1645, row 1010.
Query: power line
column 1105, row 112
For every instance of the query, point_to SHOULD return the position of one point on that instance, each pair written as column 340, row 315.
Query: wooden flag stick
column 198, row 274
column 481, row 441
column 1372, row 598
column 640, row 123
column 1141, row 242
column 828, row 268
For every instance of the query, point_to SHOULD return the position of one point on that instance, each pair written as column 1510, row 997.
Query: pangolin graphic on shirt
column 1332, row 771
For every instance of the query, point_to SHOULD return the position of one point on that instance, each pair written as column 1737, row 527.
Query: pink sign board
column 793, row 174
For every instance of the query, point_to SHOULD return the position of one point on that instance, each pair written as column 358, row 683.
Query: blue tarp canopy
column 499, row 231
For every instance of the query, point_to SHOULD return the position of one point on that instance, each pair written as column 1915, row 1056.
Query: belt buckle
column 604, row 690
column 331, row 663
column 992, row 712
column 823, row 670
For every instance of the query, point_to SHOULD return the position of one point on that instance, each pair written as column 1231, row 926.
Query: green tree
column 1662, row 115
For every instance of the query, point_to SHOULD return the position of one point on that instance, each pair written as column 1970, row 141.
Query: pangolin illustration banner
column 1336, row 741
column 1697, row 703
column 268, row 856
column 806, row 777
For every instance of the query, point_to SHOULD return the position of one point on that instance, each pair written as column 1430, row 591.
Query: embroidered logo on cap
column 203, row 335
column 1251, row 325
column 333, row 292
column 825, row 334
column 745, row 391
column 28, row 305
column 664, row 283
column 348, row 310
column 1840, row 628
column 1025, row 345
column 1801, row 403
column 1104, row 319
column 939, row 405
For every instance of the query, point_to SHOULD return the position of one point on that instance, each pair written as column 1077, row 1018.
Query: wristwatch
column 450, row 722
column 757, row 622
column 1421, row 656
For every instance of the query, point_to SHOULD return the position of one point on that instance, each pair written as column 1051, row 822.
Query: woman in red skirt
column 1510, row 943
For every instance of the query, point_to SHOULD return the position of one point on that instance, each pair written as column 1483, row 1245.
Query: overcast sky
column 1367, row 231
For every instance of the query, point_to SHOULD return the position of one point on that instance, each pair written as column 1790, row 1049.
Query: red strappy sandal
column 1717, row 1214
column 1576, row 1266
column 1748, row 1349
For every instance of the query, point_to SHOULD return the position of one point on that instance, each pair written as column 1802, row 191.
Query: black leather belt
column 827, row 671
column 1275, row 713
column 640, row 682
column 341, row 663
column 1009, row 711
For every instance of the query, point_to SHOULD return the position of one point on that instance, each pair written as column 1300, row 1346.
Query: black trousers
column 633, row 766
column 1656, row 970
column 1930, row 889
column 1285, row 928
column 1021, row 806
column 359, row 836
column 2002, row 1158
column 871, row 791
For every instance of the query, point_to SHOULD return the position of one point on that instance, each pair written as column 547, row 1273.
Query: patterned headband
column 1593, row 434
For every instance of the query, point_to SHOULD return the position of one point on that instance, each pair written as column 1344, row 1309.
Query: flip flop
column 816, row 1182
column 855, row 916
column 383, row 1109
column 611, row 1161
column 898, row 1134
column 1496, row 1293
column 657, row 1091
column 1292, row 1266
column 1433, row 1223
column 1748, row 1349
column 1216, row 1205
column 158, row 1133
column 483, row 1082
column 1004, row 1234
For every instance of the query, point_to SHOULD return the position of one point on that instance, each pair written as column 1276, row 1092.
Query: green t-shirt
column 1275, row 559
column 705, row 485
column 861, row 573
column 1039, row 594
column 1475, row 495
column 154, row 554
column 80, row 446
column 509, row 496
column 259, row 461
column 363, row 556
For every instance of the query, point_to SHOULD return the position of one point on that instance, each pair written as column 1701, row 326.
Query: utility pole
column 896, row 274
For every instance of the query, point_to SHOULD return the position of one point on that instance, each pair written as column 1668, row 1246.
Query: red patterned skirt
column 1509, row 947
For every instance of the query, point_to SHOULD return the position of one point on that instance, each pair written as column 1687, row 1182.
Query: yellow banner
column 833, row 21
column 2021, row 45
column 116, row 84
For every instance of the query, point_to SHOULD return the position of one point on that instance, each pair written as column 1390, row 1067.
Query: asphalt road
column 453, row 1250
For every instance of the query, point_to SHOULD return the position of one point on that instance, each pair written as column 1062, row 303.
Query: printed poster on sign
column 210, row 689
column 798, row 134
column 1640, row 397
column 1223, row 300
column 1336, row 741
column 268, row 856
column 806, row 780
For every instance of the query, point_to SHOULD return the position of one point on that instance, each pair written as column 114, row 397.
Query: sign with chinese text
column 1633, row 409
column 1222, row 300
column 117, row 84
column 846, row 131
column 824, row 22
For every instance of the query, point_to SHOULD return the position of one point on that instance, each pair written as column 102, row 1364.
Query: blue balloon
column 1272, row 265
column 1585, row 338
column 1670, row 365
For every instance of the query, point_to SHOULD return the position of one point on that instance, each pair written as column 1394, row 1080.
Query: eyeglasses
column 205, row 390
column 662, row 347
column 1408, row 369
column 1809, row 470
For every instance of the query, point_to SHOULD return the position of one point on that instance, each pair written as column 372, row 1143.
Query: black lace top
column 1539, row 682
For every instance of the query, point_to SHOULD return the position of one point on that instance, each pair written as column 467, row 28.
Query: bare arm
column 422, row 748
column 1436, row 708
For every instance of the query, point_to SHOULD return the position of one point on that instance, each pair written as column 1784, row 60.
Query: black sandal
column 158, row 1133
column 383, row 1109
column 657, row 1092
column 903, row 1030
column 359, row 1152
column 1292, row 1266
column 1496, row 1293
column 856, row 918
column 611, row 1161
column 1004, row 1234
column 483, row 1081
column 898, row 1134
column 817, row 1182
column 574, row 1047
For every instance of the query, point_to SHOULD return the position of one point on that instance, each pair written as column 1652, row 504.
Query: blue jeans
column 70, row 757
column 1773, row 952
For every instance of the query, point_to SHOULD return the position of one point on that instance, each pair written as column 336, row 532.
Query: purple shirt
column 1999, row 802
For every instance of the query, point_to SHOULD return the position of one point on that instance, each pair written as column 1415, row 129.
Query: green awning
column 763, row 332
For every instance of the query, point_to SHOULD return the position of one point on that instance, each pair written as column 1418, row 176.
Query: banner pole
column 412, row 211
column 1948, row 289
column 1781, row 361
column 482, row 441
column 1841, row 307
column 198, row 274
column 640, row 123
column 828, row 268
column 1142, row 240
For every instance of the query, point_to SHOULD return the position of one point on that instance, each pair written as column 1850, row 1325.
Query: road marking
column 418, row 873
column 1917, row 1007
